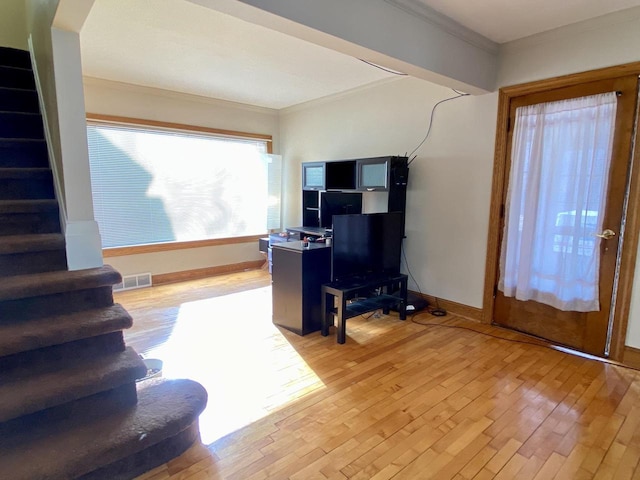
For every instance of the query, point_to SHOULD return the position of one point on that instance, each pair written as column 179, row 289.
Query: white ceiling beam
column 71, row 14
column 397, row 34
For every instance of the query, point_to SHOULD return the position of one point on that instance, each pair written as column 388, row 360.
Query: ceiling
column 180, row 46
column 506, row 20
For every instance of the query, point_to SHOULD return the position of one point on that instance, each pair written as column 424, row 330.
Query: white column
column 84, row 248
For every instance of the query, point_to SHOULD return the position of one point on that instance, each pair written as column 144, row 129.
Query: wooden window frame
column 632, row 215
column 99, row 119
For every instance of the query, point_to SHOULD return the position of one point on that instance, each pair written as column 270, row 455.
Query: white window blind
column 156, row 186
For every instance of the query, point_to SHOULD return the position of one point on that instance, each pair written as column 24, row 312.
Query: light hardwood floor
column 399, row 400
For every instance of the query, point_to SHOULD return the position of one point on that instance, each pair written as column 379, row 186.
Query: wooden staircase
column 70, row 403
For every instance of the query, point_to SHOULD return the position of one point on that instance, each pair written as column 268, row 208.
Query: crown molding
column 298, row 107
column 432, row 17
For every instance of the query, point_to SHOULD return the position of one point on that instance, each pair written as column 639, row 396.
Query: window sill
column 165, row 247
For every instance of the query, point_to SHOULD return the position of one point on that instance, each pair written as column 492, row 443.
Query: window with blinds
column 159, row 186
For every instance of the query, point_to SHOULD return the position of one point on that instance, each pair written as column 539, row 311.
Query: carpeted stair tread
column 16, row 77
column 21, row 124
column 12, row 244
column 25, row 173
column 58, row 382
column 31, row 257
column 21, row 336
column 25, row 286
column 19, row 100
column 24, row 217
column 76, row 447
column 28, row 206
column 14, row 57
column 26, row 183
column 23, row 153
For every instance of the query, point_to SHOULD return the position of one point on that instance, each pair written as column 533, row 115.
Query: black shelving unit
column 350, row 176
column 336, row 296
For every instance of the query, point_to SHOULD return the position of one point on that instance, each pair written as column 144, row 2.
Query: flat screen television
column 338, row 203
column 366, row 245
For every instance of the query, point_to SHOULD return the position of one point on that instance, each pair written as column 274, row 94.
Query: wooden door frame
column 629, row 248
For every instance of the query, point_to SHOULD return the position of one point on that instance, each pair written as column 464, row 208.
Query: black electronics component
column 366, row 245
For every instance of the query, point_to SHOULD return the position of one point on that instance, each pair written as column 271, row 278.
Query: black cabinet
column 297, row 278
column 313, row 176
column 341, row 175
column 310, row 208
column 381, row 174
column 376, row 174
column 373, row 174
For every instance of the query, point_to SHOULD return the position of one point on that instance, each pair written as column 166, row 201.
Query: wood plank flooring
column 399, row 400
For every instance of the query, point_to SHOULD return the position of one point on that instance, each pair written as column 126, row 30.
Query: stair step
column 19, row 100
column 57, row 383
column 17, row 77
column 24, row 153
column 14, row 207
column 25, row 254
column 15, row 264
column 84, row 349
column 26, row 184
column 13, row 57
column 114, row 446
column 12, row 244
column 20, row 217
column 62, row 303
column 25, row 286
column 25, row 173
column 21, row 125
column 21, row 336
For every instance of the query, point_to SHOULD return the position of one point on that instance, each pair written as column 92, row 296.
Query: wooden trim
column 631, row 357
column 165, row 247
column 164, row 278
column 629, row 247
column 471, row 313
column 97, row 117
column 497, row 195
column 571, row 80
column 628, row 254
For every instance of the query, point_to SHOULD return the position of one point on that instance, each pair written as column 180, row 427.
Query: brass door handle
column 607, row 234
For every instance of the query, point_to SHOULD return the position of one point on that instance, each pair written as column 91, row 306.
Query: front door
column 534, row 302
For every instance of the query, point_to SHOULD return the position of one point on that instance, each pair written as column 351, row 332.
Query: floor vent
column 129, row 282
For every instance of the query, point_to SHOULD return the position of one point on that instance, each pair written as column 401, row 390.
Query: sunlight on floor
column 230, row 345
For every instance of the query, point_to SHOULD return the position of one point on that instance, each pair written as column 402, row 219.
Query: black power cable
column 433, row 111
column 436, row 312
column 513, row 340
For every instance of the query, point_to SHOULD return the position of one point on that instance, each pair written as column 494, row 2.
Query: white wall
column 111, row 98
column 449, row 182
column 13, row 25
column 603, row 42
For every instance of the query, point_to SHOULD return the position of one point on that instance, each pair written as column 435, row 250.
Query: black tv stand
column 336, row 294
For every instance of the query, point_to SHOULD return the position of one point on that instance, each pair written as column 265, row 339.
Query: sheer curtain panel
column 560, row 159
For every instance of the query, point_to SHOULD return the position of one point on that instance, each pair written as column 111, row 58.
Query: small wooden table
column 336, row 294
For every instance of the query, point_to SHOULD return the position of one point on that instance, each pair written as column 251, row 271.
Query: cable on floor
column 513, row 340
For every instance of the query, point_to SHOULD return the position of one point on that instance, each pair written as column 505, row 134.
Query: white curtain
column 560, row 160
